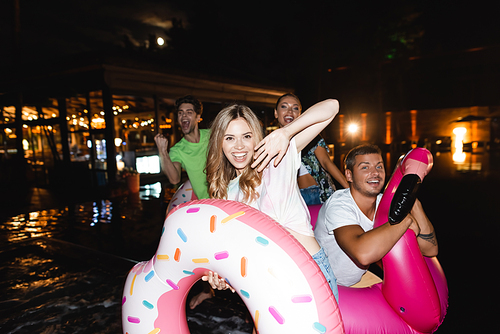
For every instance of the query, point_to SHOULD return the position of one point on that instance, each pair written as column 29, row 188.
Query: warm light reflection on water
column 103, row 219
column 32, row 225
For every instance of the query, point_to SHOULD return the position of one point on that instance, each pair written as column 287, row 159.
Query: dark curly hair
column 198, row 106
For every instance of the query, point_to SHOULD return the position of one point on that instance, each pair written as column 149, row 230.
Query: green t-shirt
column 193, row 159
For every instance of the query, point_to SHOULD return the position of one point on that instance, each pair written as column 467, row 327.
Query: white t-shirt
column 338, row 211
column 279, row 193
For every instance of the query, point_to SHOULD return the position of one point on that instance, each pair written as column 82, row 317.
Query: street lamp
column 353, row 130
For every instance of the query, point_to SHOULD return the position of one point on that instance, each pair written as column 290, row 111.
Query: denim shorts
column 323, row 264
column 311, row 195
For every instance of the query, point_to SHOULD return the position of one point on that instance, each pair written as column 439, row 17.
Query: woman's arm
column 305, row 128
column 324, row 159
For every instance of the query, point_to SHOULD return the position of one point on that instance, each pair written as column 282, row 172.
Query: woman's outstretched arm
column 305, row 128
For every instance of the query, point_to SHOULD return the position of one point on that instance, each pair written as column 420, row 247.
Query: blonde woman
column 262, row 173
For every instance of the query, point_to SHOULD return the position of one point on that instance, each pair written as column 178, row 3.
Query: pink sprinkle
column 133, row 320
column 172, row 284
column 124, row 299
column 193, row 210
column 301, row 299
column 221, row 255
column 276, row 315
column 147, row 267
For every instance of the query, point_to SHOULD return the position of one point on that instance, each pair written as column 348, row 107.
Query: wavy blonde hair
column 219, row 170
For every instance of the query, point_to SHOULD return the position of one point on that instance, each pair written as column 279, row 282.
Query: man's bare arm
column 427, row 240
column 171, row 169
column 365, row 248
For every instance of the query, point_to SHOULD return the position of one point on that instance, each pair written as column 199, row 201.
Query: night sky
column 84, row 24
column 292, row 43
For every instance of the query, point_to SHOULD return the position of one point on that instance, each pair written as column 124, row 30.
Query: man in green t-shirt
column 190, row 153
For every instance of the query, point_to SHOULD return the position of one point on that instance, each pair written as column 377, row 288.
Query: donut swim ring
column 413, row 296
column 281, row 285
column 183, row 194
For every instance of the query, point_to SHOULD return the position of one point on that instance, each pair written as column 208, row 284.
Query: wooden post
column 109, row 134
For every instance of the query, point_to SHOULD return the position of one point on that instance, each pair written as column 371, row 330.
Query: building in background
column 446, row 102
column 79, row 121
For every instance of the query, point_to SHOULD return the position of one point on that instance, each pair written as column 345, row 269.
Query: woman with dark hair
column 262, row 173
column 314, row 178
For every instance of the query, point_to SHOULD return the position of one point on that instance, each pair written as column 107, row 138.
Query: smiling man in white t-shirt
column 345, row 222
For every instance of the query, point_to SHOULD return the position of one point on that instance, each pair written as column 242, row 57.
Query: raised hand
column 161, row 142
column 217, row 282
column 273, row 145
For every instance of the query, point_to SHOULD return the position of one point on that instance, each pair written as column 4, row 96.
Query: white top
column 338, row 211
column 303, row 170
column 279, row 193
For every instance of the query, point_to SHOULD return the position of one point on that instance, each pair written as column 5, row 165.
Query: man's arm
column 171, row 169
column 426, row 238
column 365, row 248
